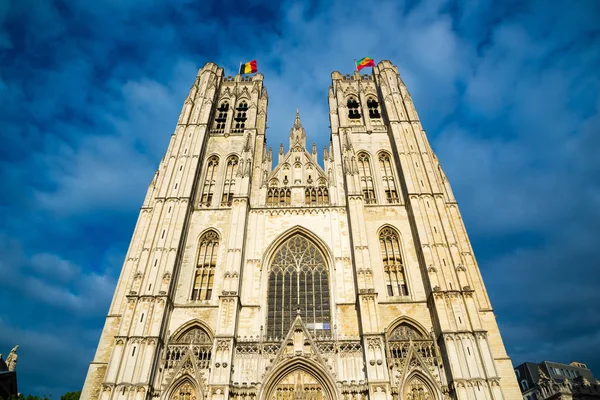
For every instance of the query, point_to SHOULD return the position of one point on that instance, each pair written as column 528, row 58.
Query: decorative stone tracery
column 194, row 339
column 185, row 391
column 298, row 385
column 413, row 362
column 298, row 280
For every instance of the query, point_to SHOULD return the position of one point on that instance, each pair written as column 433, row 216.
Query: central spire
column 297, row 133
column 297, row 123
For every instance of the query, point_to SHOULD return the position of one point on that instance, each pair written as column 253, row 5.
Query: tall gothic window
column 240, row 117
column 389, row 185
column 205, row 267
column 209, row 181
column 392, row 263
column 366, row 178
column 353, row 112
column 298, row 280
column 221, row 117
column 373, row 107
column 229, row 182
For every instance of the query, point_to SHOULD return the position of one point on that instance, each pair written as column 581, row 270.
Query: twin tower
column 250, row 278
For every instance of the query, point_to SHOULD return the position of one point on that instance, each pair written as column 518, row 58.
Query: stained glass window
column 298, row 280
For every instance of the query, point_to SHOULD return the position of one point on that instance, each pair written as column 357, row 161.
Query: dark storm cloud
column 90, row 93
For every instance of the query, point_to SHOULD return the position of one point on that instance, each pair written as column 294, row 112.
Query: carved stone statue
column 11, row 360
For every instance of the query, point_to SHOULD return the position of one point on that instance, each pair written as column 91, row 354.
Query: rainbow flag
column 248, row 68
column 365, row 62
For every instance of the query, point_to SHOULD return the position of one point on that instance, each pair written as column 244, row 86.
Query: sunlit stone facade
column 255, row 278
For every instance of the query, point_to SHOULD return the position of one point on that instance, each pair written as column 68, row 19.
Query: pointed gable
column 300, row 355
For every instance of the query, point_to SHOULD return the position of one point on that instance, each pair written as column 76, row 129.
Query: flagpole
column 355, row 66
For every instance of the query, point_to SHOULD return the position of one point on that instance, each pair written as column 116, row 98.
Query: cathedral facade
column 254, row 278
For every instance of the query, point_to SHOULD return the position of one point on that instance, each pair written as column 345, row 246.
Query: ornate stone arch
column 417, row 386
column 187, row 356
column 205, row 231
column 413, row 360
column 270, row 250
column 309, row 376
column 194, row 323
column 232, row 154
column 405, row 320
column 184, row 388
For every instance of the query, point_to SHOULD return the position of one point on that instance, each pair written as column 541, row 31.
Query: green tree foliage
column 71, row 396
column 66, row 396
column 29, row 397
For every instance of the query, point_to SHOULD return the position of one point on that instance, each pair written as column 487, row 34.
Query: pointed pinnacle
column 297, row 123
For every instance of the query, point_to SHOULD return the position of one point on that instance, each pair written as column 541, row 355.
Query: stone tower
column 353, row 279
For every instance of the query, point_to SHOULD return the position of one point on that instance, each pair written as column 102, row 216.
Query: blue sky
column 508, row 91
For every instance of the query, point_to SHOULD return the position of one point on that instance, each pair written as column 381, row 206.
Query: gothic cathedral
column 250, row 279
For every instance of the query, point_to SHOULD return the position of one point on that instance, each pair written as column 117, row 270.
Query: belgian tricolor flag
column 248, row 68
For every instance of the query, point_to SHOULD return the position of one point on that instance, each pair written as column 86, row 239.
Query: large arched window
column 366, row 178
column 393, row 267
column 209, row 181
column 205, row 267
column 298, row 280
column 229, row 182
column 389, row 184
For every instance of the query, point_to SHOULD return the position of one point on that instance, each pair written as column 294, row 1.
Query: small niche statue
column 11, row 360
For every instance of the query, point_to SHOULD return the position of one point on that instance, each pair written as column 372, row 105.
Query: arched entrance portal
column 184, row 391
column 417, row 389
column 298, row 385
